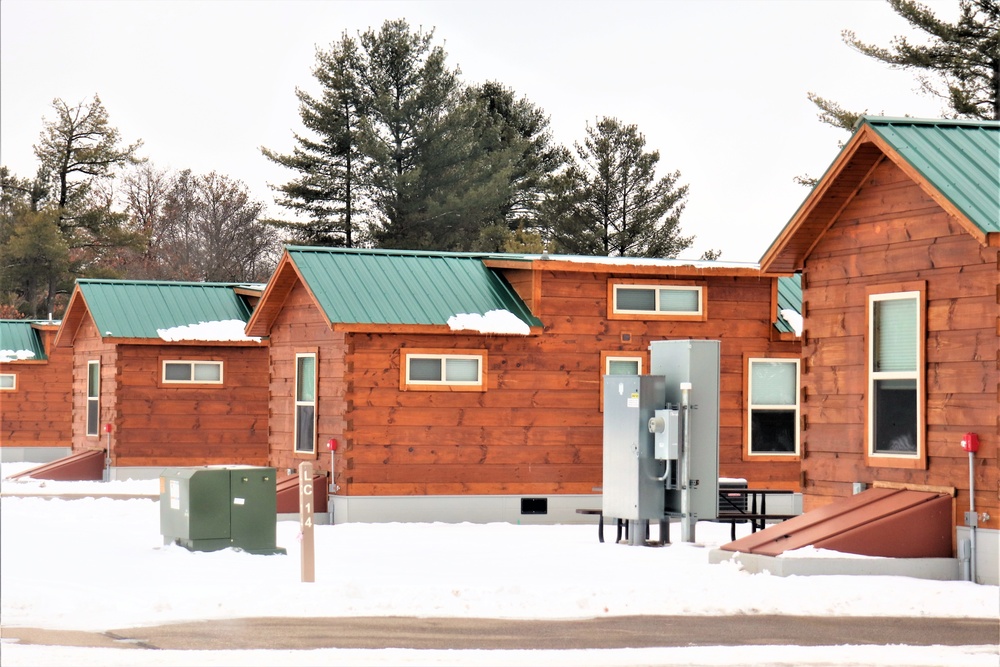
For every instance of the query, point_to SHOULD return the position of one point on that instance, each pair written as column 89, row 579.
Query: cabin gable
column 890, row 239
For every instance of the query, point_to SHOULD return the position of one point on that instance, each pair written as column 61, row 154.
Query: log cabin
column 898, row 247
column 163, row 375
column 468, row 387
column 35, row 379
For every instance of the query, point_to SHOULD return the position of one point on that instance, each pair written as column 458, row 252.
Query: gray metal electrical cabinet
column 696, row 362
column 216, row 507
column 631, row 489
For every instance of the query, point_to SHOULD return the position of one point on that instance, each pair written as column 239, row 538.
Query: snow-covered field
column 100, row 564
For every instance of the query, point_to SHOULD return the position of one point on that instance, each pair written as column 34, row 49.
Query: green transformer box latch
column 217, row 507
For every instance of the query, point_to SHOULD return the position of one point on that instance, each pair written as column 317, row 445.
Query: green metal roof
column 404, row 287
column 961, row 159
column 17, row 336
column 789, row 298
column 137, row 309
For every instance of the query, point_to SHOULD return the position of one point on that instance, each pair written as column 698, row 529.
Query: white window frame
column 656, row 289
column 93, row 429
column 622, row 357
column 751, row 407
column 406, row 383
column 444, row 381
column 606, row 359
column 875, row 376
column 192, row 364
column 300, row 403
column 13, row 382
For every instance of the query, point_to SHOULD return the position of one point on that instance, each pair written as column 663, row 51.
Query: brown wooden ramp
column 288, row 494
column 78, row 467
column 891, row 523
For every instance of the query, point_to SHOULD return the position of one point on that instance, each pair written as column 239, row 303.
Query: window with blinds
column 305, row 403
column 773, row 407
column 894, row 380
column 657, row 299
column 433, row 370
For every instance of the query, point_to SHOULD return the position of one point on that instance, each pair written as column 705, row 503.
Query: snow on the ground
column 100, row 564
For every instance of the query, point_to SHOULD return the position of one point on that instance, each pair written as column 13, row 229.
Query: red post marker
column 107, row 428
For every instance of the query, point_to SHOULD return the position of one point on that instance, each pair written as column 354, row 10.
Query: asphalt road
column 493, row 634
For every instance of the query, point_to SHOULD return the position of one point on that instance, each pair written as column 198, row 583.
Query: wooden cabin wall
column 39, row 412
column 88, row 346
column 299, row 328
column 538, row 428
column 893, row 232
column 157, row 424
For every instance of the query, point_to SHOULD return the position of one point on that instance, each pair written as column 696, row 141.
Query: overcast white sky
column 717, row 86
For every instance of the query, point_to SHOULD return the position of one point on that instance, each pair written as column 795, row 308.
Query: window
column 621, row 365
column 633, row 301
column 431, row 370
column 93, row 397
column 305, row 403
column 895, row 382
column 773, row 407
column 618, row 363
column 201, row 372
column 8, row 381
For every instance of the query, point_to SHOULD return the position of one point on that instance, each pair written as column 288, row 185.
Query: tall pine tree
column 610, row 202
column 329, row 161
column 960, row 62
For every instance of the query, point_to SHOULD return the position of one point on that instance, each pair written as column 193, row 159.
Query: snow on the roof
column 226, row 330
column 646, row 261
column 794, row 320
column 493, row 322
column 15, row 355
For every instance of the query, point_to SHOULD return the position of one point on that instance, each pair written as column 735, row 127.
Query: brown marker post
column 306, row 507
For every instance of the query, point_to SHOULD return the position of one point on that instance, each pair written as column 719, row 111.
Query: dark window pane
column 425, row 370
column 772, row 431
column 177, row 372
column 304, row 438
column 635, row 299
column 896, row 416
column 93, row 409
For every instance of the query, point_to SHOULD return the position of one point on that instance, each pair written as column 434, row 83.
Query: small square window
column 8, row 381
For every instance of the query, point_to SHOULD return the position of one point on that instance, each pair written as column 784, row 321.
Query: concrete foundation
column 460, row 509
column 940, row 569
column 33, row 454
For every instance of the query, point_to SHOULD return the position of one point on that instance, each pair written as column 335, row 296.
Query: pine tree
column 515, row 130
column 610, row 201
column 960, row 63
column 398, row 143
column 329, row 161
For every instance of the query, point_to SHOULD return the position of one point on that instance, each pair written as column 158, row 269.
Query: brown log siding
column 172, row 425
column 38, row 413
column 893, row 232
column 538, row 427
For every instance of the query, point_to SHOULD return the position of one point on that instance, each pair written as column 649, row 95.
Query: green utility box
column 217, row 507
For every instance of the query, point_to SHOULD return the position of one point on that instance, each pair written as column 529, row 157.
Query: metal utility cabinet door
column 696, row 362
column 216, row 507
column 631, row 489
